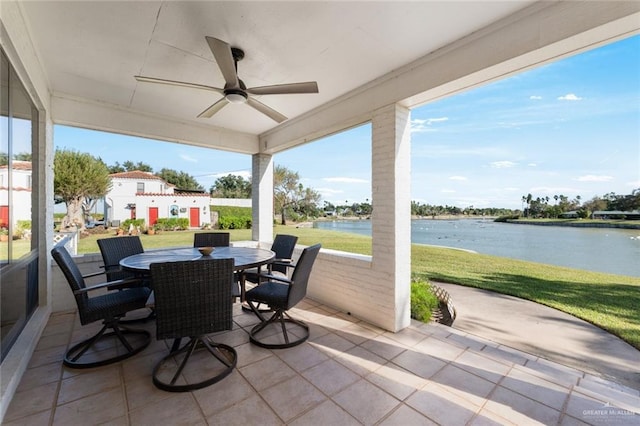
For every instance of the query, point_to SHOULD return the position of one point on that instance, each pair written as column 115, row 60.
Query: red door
column 153, row 215
column 194, row 217
column 4, row 216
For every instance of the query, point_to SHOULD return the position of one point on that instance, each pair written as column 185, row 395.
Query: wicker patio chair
column 193, row 299
column 109, row 308
column 283, row 246
column 211, row 239
column 113, row 250
column 281, row 294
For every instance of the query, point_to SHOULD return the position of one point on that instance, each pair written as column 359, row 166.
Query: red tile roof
column 135, row 174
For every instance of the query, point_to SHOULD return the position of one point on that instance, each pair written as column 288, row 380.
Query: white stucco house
column 74, row 64
column 142, row 195
column 19, row 207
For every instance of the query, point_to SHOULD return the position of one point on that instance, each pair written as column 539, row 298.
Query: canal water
column 615, row 251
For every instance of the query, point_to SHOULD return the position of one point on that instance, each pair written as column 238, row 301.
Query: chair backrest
column 301, row 273
column 72, row 274
column 115, row 249
column 192, row 298
column 283, row 246
column 211, row 239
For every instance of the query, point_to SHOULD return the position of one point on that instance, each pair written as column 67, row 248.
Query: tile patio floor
column 347, row 373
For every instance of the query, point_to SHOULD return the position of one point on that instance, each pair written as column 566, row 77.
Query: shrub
column 507, row 217
column 135, row 222
column 233, row 217
column 423, row 301
column 172, row 224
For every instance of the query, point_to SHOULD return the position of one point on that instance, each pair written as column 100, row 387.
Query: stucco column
column 262, row 197
column 391, row 218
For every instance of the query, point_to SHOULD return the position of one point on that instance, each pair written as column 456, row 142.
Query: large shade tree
column 181, row 180
column 289, row 193
column 231, row 186
column 79, row 181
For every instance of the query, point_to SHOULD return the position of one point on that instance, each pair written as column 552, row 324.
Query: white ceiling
column 91, row 50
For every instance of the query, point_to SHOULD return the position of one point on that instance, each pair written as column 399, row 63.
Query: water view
column 615, row 251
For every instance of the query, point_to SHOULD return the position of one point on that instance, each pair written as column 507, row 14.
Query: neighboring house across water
column 616, row 214
column 142, row 195
column 21, row 193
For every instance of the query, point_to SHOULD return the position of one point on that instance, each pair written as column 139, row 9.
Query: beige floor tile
column 326, row 414
column 223, row 394
column 418, row 363
column 480, row 365
column 535, row 388
column 34, row 400
column 34, row 377
column 301, row 357
column 330, row 376
column 293, row 397
column 142, row 391
column 571, row 421
column 444, row 350
column 520, row 409
column 408, row 337
column 360, row 360
column 83, row 385
column 52, row 341
column 464, row 384
column 232, row 338
column 487, row 418
column 47, row 356
column 37, row 419
column 94, row 409
column 267, row 372
column 406, row 416
column 331, row 344
column 141, row 365
column 396, row 381
column 441, row 406
column 358, row 400
column 251, row 411
column 384, row 347
column 250, row 353
column 177, row 409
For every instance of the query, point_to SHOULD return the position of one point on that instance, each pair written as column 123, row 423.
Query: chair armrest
column 94, row 274
column 111, row 284
column 276, row 278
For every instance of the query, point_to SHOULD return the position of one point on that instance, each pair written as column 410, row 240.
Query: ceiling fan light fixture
column 236, row 97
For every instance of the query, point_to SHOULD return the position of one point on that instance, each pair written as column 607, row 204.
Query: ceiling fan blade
column 284, row 89
column 222, row 52
column 208, row 113
column 177, row 83
column 269, row 112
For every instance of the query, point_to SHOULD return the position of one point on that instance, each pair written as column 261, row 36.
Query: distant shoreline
column 538, row 222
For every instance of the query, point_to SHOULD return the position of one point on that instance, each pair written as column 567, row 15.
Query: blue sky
column 571, row 127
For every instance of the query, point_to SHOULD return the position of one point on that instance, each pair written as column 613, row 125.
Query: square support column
column 391, row 217
column 262, row 197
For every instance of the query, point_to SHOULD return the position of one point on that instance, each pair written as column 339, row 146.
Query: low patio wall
column 344, row 281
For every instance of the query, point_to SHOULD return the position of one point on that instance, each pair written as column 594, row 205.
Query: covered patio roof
column 364, row 55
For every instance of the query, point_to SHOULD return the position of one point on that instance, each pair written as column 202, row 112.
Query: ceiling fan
column 234, row 90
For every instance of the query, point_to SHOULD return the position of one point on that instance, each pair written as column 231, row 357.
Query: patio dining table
column 244, row 257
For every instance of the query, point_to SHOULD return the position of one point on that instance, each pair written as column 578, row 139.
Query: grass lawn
column 609, row 301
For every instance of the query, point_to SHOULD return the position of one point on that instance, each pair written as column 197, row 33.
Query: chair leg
column 223, row 353
column 279, row 316
column 73, row 356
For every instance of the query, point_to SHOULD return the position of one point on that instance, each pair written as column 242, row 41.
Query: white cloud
column 634, row 184
column 185, row 157
column 532, row 165
column 569, row 97
column 424, row 125
column 503, row 164
column 511, row 189
column 340, row 179
column 447, row 191
column 535, row 97
column 594, row 178
column 553, row 190
column 460, row 178
column 329, row 191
